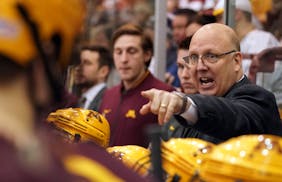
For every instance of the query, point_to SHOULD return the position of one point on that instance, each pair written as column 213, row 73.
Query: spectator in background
column 200, row 20
column 260, row 8
column 91, row 75
column 181, row 19
column 99, row 35
column 269, row 61
column 186, row 75
column 142, row 11
column 252, row 41
column 274, row 20
column 132, row 53
column 171, row 7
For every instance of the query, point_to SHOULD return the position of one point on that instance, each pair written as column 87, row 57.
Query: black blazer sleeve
column 245, row 109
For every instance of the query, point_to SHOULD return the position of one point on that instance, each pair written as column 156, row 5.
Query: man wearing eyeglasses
column 228, row 104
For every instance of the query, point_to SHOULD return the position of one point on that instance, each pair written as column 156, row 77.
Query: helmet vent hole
column 77, row 138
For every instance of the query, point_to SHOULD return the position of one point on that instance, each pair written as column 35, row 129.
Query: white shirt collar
column 91, row 93
column 241, row 78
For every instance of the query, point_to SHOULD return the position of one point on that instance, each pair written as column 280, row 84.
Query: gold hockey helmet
column 183, row 156
column 133, row 156
column 81, row 125
column 245, row 158
column 23, row 21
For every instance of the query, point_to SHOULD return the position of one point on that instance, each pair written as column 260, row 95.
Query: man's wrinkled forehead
column 212, row 34
column 202, row 40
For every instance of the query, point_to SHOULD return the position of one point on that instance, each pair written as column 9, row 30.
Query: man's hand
column 162, row 103
column 267, row 58
column 264, row 61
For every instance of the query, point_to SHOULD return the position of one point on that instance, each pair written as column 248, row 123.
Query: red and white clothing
column 254, row 42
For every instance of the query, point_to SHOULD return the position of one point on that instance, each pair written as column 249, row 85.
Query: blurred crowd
column 184, row 17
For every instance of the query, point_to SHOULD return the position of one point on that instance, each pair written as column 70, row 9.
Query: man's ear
column 104, row 71
column 148, row 56
column 238, row 61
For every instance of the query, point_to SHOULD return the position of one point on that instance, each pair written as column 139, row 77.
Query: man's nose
column 201, row 65
column 124, row 56
column 186, row 72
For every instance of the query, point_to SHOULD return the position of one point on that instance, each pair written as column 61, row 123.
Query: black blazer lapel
column 95, row 103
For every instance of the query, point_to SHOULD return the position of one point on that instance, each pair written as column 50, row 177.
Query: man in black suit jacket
column 228, row 104
column 91, row 75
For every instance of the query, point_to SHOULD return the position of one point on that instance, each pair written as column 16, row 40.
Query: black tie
column 81, row 102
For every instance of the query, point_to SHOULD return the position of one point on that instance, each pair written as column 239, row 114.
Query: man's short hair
column 131, row 29
column 204, row 19
column 105, row 57
column 185, row 43
column 189, row 13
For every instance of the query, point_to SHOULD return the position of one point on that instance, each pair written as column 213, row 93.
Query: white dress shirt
column 91, row 93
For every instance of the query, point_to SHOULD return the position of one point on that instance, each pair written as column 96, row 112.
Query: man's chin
column 210, row 92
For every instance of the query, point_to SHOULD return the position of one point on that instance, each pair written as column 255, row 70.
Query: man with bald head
column 228, row 104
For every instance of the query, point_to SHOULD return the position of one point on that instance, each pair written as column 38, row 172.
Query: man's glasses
column 210, row 58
